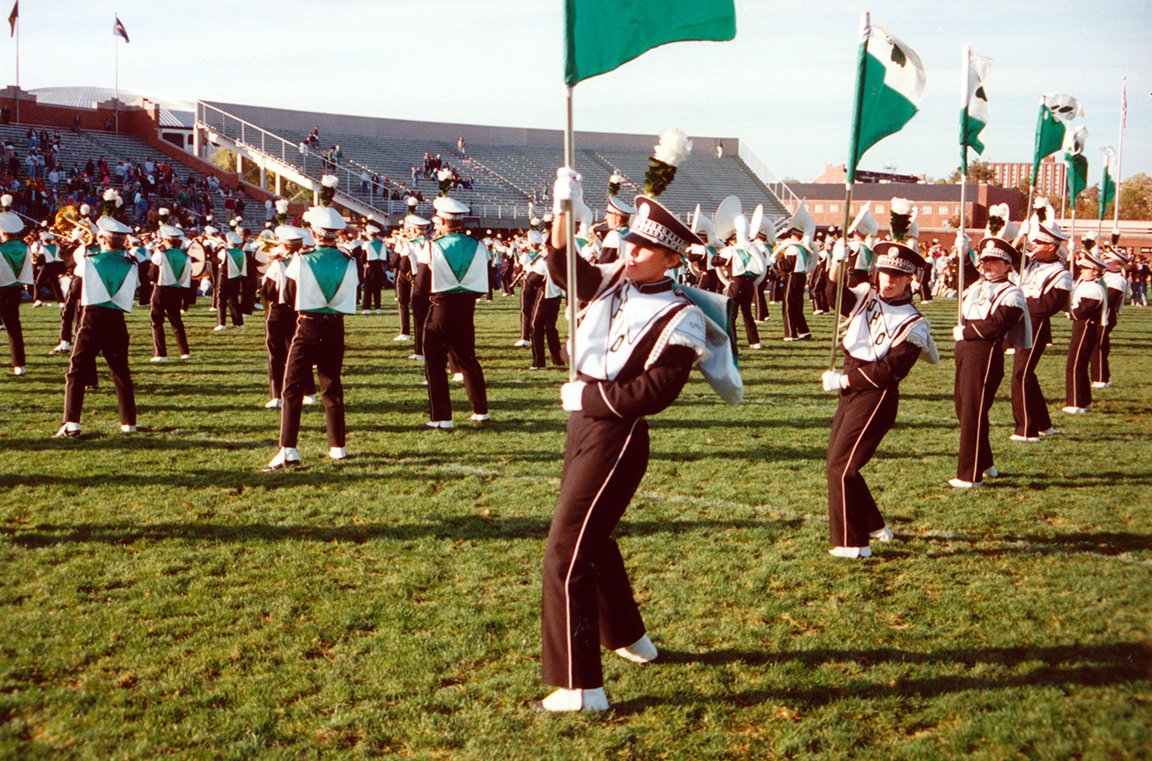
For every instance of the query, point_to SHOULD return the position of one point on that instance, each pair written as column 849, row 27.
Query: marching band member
column 994, row 310
column 322, row 286
column 793, row 259
column 421, row 281
column 232, row 272
column 173, row 270
column 885, row 336
column 861, row 257
column 15, row 273
column 1116, row 286
column 52, row 268
column 745, row 269
column 375, row 268
column 1089, row 315
column 1046, row 284
column 587, row 599
column 531, row 286
column 280, row 317
column 107, row 281
column 617, row 212
column 458, row 276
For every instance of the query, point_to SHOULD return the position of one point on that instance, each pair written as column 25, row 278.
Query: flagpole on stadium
column 570, row 240
column 849, row 179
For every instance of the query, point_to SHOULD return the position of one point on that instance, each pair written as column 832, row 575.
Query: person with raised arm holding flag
column 884, row 338
column 637, row 340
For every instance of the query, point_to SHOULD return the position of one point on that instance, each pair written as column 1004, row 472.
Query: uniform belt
column 321, row 316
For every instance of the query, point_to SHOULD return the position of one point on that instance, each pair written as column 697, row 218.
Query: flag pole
column 850, row 178
column 1035, row 159
column 962, row 248
column 116, row 101
column 17, row 67
column 1120, row 151
column 570, row 240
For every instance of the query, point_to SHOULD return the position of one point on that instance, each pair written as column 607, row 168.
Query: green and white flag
column 1077, row 162
column 1056, row 110
column 1108, row 184
column 889, row 85
column 974, row 109
column 600, row 35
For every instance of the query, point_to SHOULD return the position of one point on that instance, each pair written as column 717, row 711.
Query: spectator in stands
column 461, row 146
column 76, row 124
column 365, row 181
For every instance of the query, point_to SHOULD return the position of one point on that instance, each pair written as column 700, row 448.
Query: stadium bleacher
column 505, row 174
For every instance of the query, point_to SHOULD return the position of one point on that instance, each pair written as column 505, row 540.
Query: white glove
column 839, row 252
column 566, row 188
column 958, row 332
column 834, row 380
column 571, row 396
column 962, row 241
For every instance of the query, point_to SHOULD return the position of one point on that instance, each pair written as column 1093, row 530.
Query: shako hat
column 993, row 247
column 234, row 239
column 897, row 258
column 620, row 206
column 109, row 224
column 171, row 232
column 288, row 233
column 1091, row 259
column 449, row 209
column 654, row 225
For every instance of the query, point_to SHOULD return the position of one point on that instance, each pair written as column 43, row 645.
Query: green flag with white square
column 1108, row 183
column 889, row 85
column 1077, row 162
column 974, row 105
column 1056, row 111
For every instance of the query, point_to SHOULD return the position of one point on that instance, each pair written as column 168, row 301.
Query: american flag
column 1124, row 104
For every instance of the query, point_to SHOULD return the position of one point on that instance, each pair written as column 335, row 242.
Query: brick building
column 1049, row 182
column 938, row 205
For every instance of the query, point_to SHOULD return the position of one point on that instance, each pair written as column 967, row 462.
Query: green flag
column 974, row 105
column 1077, row 163
column 1108, row 184
column 889, row 84
column 600, row 35
column 1056, row 110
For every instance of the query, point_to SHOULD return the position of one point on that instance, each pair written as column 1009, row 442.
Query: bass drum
column 199, row 260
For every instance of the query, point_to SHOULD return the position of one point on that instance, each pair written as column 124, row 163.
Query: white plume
column 673, row 148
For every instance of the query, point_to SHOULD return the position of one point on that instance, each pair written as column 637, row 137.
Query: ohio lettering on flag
column 600, row 35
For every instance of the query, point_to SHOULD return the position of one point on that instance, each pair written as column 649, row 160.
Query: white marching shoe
column 640, row 651
column 992, row 472
column 1049, row 432
column 272, row 404
column 1018, row 437
column 521, row 343
column 958, row 483
column 158, row 358
column 458, row 377
column 882, row 534
column 478, row 417
column 308, row 399
column 338, row 453
column 19, row 370
column 287, row 457
column 62, row 348
column 1075, row 410
column 573, row 700
column 67, row 431
column 125, row 428
column 402, row 338
column 850, row 552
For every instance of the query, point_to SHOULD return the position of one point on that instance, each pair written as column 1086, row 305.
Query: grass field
column 161, row 596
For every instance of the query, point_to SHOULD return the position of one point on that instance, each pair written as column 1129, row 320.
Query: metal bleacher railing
column 310, row 166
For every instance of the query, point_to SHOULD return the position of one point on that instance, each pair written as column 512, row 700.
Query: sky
column 784, row 86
